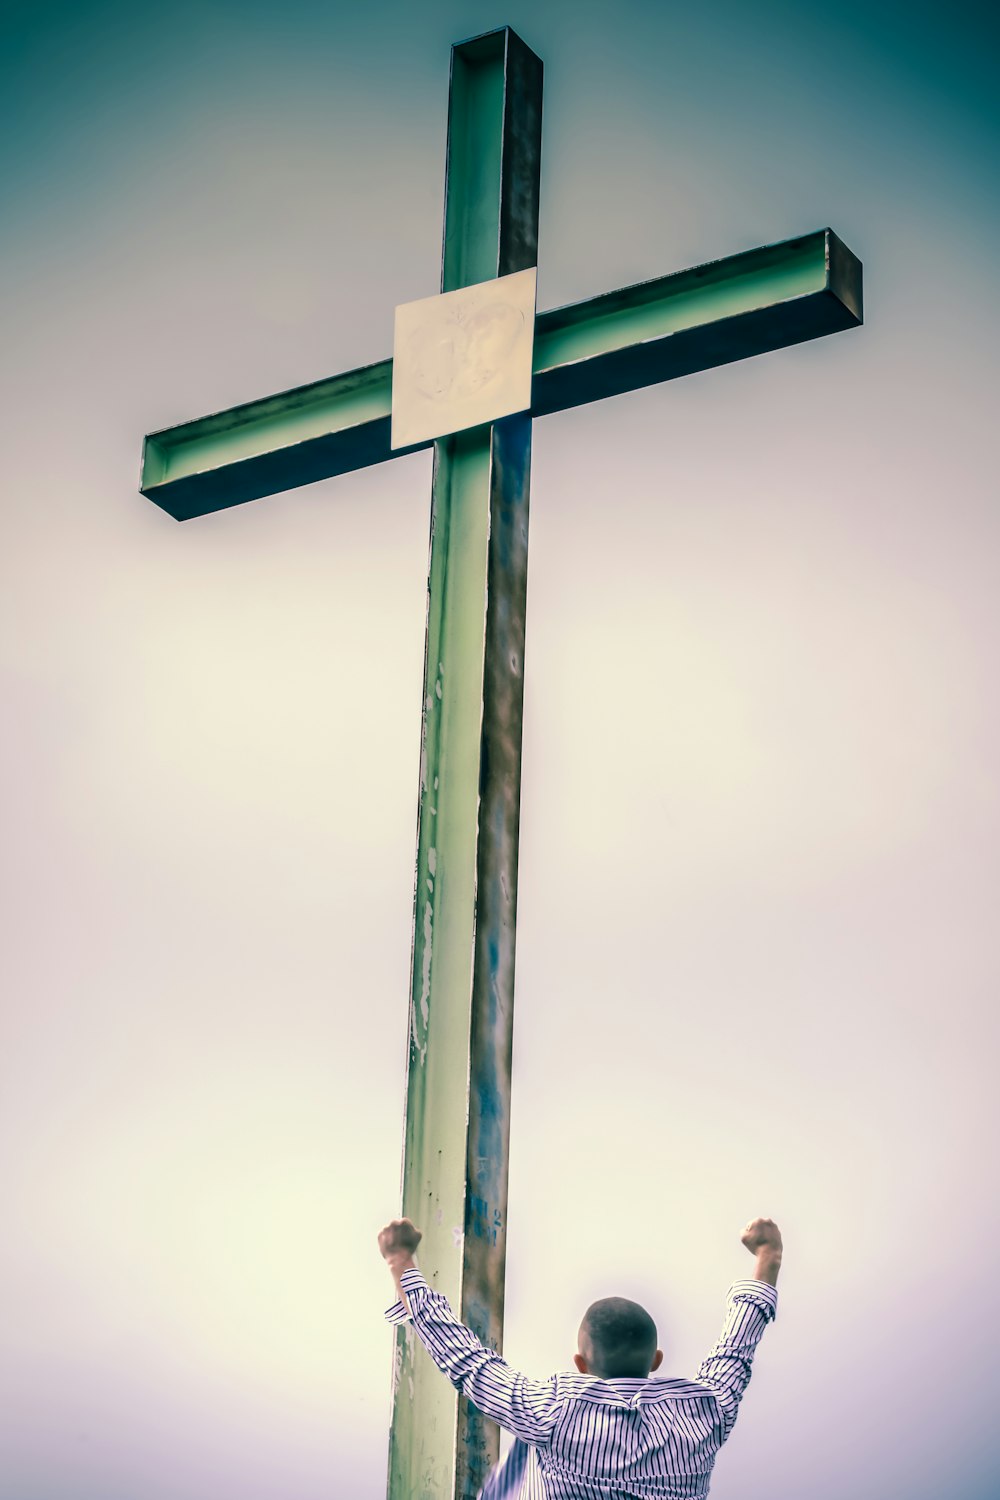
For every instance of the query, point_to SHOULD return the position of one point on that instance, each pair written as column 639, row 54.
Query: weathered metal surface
column 422, row 1445
column 693, row 320
column 493, row 160
column 730, row 309
column 496, row 911
column 521, row 157
column 462, row 987
column 473, row 162
column 263, row 447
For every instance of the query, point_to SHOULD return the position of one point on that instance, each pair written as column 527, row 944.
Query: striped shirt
column 589, row 1439
column 516, row 1477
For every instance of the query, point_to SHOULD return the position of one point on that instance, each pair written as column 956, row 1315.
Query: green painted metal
column 263, row 447
column 220, row 442
column 457, row 1131
column 422, row 1446
column 492, row 1024
column 689, row 299
column 730, row 309
column 693, row 320
column 458, row 1081
column 475, row 125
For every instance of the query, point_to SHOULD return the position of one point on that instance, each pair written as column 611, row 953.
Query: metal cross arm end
column 312, row 432
column 691, row 320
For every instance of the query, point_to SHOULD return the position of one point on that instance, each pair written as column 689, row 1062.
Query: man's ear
column 581, row 1364
column 657, row 1361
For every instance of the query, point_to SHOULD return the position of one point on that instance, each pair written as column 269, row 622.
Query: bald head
column 618, row 1337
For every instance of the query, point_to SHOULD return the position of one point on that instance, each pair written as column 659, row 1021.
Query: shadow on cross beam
column 692, row 320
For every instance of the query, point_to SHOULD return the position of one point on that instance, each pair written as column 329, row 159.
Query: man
column 609, row 1432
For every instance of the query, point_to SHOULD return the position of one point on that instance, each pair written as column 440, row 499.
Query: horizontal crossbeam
column 692, row 320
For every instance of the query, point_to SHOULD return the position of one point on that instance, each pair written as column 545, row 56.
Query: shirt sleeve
column 527, row 1408
column 751, row 1305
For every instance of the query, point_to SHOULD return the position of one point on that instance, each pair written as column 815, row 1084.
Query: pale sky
column 757, row 959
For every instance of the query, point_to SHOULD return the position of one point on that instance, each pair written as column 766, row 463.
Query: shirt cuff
column 762, row 1293
column 411, row 1280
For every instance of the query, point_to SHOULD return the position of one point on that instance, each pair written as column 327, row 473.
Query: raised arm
column 398, row 1243
column 762, row 1238
column 752, row 1304
column 524, row 1407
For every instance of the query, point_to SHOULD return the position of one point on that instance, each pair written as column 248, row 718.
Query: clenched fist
column 762, row 1234
column 399, row 1239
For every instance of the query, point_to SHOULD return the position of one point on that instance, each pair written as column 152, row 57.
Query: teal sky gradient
column 757, row 962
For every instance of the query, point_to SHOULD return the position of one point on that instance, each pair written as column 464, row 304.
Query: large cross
column 457, row 1125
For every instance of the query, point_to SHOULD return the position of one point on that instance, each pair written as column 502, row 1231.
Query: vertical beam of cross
column 462, row 984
